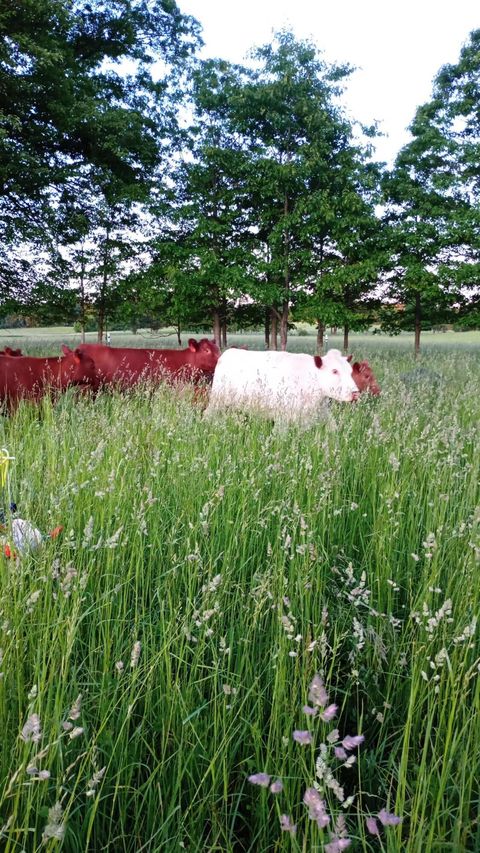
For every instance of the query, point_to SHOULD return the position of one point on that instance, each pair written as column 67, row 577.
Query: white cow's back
column 283, row 383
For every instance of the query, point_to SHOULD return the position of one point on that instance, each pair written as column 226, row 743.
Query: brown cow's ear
column 318, row 360
column 349, row 358
column 356, row 366
column 77, row 356
column 192, row 344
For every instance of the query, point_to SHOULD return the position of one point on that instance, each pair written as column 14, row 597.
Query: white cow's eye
column 335, row 372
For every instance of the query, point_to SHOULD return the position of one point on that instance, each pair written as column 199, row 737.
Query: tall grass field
column 246, row 638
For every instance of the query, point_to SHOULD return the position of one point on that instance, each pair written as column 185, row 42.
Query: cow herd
column 276, row 383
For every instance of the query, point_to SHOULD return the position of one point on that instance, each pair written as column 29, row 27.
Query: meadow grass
column 208, row 570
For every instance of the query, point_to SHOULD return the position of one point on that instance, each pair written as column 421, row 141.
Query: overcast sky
column 397, row 46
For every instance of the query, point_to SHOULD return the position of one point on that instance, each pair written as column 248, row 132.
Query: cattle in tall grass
column 125, row 366
column 288, row 385
column 28, row 377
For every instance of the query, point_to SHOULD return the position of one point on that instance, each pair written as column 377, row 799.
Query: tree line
column 140, row 183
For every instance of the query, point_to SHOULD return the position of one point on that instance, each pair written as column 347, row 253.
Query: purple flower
column 276, row 786
column 340, row 753
column 309, row 711
column 329, row 713
column 316, row 807
column 286, row 824
column 351, row 741
column 336, row 845
column 372, row 826
column 302, row 736
column 262, row 779
column 388, row 819
column 317, row 694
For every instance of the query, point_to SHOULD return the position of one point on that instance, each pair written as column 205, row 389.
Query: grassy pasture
column 207, row 571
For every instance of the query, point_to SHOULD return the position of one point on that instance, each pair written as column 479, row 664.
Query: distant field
column 162, row 650
column 47, row 341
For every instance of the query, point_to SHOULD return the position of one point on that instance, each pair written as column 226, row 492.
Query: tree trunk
column 320, row 336
column 284, row 327
column 345, row 338
column 217, row 328
column 82, row 295
column 273, row 329
column 418, row 323
column 224, row 333
column 103, row 289
column 267, row 328
column 179, row 331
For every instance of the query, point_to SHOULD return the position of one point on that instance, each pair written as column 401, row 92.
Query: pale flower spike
column 303, row 737
column 262, row 779
column 286, row 824
column 388, row 819
column 317, row 694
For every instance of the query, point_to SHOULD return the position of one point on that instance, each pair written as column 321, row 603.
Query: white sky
column 397, row 46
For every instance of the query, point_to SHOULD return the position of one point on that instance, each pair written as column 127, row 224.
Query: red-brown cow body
column 125, row 366
column 364, row 378
column 28, row 377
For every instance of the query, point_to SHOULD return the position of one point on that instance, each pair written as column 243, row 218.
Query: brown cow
column 30, row 378
column 364, row 378
column 128, row 365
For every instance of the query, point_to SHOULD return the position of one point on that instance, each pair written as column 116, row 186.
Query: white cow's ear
column 318, row 360
column 349, row 358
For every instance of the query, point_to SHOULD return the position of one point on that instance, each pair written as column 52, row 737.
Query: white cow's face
column 334, row 377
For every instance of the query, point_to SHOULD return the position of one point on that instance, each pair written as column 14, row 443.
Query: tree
column 65, row 106
column 433, row 197
column 310, row 191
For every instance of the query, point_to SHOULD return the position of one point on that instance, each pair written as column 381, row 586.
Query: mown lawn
column 207, row 572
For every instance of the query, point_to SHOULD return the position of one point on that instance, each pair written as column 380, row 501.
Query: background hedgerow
column 161, row 650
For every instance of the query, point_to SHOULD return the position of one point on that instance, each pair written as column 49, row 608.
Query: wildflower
column 119, row 666
column 309, row 711
column 44, row 774
column 316, row 807
column 372, row 826
column 137, row 648
column 94, row 781
column 75, row 709
column 388, row 819
column 76, row 732
column 329, row 713
column 31, row 730
column 317, row 694
column 333, row 736
column 66, row 726
column 337, row 844
column 276, row 787
column 286, row 824
column 340, row 753
column 351, row 741
column 302, row 736
column 262, row 779
column 54, row 828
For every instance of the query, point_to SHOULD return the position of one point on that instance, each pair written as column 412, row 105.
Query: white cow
column 291, row 386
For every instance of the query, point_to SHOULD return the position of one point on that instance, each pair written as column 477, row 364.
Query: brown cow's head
column 77, row 367
column 364, row 378
column 206, row 354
